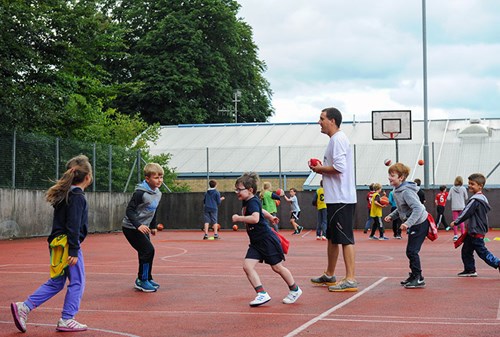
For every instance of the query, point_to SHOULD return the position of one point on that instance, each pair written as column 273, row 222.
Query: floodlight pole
column 426, row 135
column 237, row 95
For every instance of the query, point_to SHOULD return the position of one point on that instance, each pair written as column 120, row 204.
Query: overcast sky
column 365, row 55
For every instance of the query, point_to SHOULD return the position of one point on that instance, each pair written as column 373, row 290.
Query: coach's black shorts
column 340, row 223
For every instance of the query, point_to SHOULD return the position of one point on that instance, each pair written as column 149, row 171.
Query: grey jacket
column 141, row 209
column 458, row 196
column 408, row 206
column 476, row 214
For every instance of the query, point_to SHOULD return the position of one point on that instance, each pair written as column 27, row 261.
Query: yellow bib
column 59, row 250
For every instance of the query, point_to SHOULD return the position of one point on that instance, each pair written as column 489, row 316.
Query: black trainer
column 416, row 282
column 467, row 273
column 410, row 277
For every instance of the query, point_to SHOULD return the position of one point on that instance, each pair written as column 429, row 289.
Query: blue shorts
column 210, row 217
column 268, row 250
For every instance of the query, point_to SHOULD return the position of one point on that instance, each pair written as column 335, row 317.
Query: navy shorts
column 267, row 250
column 340, row 223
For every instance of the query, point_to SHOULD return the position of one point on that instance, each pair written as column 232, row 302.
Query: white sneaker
column 455, row 238
column 318, row 238
column 260, row 299
column 20, row 313
column 292, row 296
column 70, row 325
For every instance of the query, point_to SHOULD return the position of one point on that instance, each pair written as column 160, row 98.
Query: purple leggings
column 76, row 276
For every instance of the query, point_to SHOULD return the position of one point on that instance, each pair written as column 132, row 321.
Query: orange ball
column 384, row 200
column 420, row 162
column 159, row 227
column 235, row 227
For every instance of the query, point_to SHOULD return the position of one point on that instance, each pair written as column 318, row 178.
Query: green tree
column 54, row 57
column 189, row 56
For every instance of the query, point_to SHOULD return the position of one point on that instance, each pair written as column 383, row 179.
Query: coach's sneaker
column 154, row 284
column 69, row 325
column 344, row 285
column 260, row 299
column 144, row 286
column 324, row 280
column 20, row 313
column 467, row 273
column 216, row 237
column 416, row 282
column 299, row 229
column 205, row 237
column 292, row 296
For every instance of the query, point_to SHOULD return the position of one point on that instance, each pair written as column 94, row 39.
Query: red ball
column 387, row 162
column 159, row 227
column 314, row 162
column 235, row 227
column 280, row 192
column 421, row 162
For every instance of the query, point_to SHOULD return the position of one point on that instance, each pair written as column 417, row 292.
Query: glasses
column 238, row 190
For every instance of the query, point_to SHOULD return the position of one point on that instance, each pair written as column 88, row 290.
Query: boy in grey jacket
column 140, row 221
column 414, row 220
column 476, row 213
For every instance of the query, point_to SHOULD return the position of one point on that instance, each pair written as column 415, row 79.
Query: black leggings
column 145, row 251
column 377, row 224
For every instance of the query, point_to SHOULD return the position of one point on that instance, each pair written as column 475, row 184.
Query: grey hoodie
column 476, row 214
column 141, row 209
column 408, row 206
column 458, row 196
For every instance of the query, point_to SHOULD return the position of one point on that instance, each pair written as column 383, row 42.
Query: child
column 211, row 204
column 140, row 221
column 264, row 243
column 69, row 228
column 319, row 202
column 440, row 203
column 396, row 223
column 458, row 196
column 295, row 211
column 369, row 220
column 412, row 213
column 269, row 201
column 476, row 213
column 376, row 213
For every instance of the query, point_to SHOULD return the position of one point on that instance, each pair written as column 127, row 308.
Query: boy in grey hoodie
column 140, row 221
column 473, row 239
column 414, row 220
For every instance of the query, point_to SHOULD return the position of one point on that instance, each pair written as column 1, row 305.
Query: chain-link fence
column 33, row 161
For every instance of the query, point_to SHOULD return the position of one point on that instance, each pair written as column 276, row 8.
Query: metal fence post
column 14, row 160
column 110, row 168
column 94, row 166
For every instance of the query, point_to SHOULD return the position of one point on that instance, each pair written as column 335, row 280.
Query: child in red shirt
column 440, row 202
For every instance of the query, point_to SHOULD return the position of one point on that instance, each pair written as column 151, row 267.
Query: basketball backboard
column 391, row 124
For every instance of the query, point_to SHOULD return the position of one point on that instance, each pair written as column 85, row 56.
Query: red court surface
column 204, row 291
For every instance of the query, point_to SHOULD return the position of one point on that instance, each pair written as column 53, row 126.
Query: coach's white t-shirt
column 339, row 187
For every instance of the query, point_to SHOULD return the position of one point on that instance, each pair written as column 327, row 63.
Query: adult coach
column 340, row 198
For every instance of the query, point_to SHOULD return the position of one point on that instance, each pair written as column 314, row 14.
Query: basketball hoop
column 393, row 125
column 390, row 135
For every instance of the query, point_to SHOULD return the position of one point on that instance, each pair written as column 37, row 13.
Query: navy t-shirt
column 260, row 230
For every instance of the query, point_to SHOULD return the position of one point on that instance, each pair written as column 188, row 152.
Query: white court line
column 329, row 311
column 306, row 233
column 430, row 322
column 88, row 329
